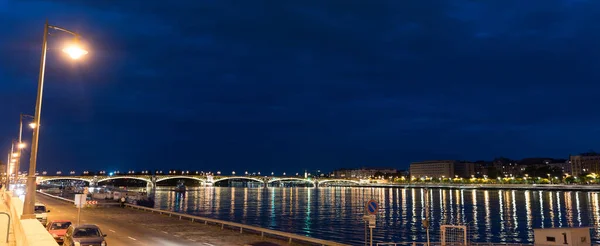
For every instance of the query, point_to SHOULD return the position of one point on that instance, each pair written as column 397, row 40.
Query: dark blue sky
column 292, row 85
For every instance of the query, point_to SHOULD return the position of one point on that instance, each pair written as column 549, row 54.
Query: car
column 58, row 229
column 41, row 213
column 84, row 235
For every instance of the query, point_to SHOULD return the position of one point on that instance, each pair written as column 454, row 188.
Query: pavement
column 126, row 226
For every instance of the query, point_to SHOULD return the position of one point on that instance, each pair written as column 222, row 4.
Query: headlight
column 103, row 243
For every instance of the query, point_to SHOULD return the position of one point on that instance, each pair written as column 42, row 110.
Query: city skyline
column 292, row 86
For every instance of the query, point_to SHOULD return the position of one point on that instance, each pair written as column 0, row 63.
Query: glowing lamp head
column 74, row 49
column 15, row 154
column 13, row 160
column 75, row 52
column 21, row 145
column 32, row 125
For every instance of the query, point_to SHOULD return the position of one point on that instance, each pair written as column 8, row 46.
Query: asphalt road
column 132, row 227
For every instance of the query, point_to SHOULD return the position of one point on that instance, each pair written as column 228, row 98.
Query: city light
column 32, row 125
column 22, row 145
column 74, row 49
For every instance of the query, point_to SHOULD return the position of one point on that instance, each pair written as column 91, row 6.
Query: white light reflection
column 541, row 196
column 558, row 209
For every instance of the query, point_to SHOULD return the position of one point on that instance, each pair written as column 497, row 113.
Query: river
column 335, row 213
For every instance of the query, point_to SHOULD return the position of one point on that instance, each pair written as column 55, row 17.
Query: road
column 132, row 227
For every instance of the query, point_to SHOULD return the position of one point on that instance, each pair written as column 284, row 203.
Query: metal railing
column 262, row 231
column 248, row 228
column 57, row 197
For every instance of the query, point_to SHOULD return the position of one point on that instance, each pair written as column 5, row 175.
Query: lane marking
column 164, row 232
column 112, row 231
column 209, row 244
column 176, row 235
column 132, row 238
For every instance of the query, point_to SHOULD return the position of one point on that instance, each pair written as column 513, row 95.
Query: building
column 464, row 169
column 481, row 169
column 563, row 165
column 433, row 169
column 585, row 163
column 363, row 172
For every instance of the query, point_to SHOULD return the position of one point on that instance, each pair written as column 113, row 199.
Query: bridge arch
column 239, row 177
column 338, row 180
column 65, row 178
column 291, row 179
column 124, row 177
column 180, row 177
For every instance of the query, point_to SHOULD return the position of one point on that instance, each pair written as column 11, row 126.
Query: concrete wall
column 28, row 232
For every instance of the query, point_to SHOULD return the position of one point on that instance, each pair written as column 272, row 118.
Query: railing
column 263, row 232
column 57, row 197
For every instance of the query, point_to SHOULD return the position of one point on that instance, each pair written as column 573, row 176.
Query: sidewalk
column 3, row 225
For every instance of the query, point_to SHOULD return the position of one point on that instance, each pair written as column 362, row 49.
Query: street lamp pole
column 20, row 145
column 28, row 206
column 8, row 164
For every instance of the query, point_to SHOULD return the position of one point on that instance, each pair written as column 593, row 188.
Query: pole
column 8, row 164
column 7, row 172
column 28, row 208
column 366, row 238
column 18, row 164
column 371, row 235
column 78, row 212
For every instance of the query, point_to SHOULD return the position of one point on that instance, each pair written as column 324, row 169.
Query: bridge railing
column 262, row 231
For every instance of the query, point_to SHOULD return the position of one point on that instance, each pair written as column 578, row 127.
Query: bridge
column 205, row 180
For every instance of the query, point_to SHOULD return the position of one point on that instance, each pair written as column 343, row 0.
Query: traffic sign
column 372, row 207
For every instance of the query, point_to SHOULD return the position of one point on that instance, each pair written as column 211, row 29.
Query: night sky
column 293, row 85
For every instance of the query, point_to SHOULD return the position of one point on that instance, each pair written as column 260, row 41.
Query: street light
column 75, row 52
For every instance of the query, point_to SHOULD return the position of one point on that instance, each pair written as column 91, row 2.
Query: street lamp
column 75, row 52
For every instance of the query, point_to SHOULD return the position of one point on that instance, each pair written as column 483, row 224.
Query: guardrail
column 263, row 232
column 57, row 197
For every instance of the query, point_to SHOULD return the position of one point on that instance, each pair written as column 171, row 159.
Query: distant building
column 362, row 172
column 481, row 168
column 564, row 165
column 464, row 169
column 433, row 169
column 585, row 163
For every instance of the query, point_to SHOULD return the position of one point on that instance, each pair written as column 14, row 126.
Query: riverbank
column 556, row 187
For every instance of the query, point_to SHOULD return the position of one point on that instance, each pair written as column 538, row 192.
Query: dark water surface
column 335, row 213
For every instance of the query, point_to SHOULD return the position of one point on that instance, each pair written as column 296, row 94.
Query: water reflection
column 336, row 213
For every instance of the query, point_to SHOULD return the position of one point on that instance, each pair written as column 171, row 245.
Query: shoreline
column 556, row 187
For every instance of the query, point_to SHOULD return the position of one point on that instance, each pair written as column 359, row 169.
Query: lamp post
column 8, row 164
column 75, row 52
column 21, row 145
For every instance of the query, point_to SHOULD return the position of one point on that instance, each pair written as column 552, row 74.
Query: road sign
column 79, row 200
column 372, row 207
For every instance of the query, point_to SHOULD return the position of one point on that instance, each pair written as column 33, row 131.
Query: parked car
column 58, row 229
column 88, row 235
column 41, row 213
